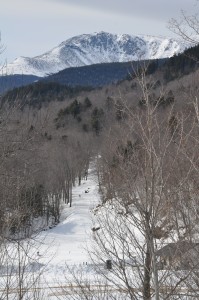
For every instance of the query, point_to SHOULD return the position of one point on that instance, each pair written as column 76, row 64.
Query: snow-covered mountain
column 88, row 49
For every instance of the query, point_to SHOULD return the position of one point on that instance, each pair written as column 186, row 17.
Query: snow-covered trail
column 47, row 255
column 67, row 242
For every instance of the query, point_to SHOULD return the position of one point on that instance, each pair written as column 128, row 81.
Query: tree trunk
column 147, row 275
column 155, row 273
column 70, row 195
column 80, row 178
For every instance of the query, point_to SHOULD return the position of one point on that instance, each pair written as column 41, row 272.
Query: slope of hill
column 100, row 74
column 87, row 76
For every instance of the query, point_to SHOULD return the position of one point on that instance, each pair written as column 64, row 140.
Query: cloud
column 153, row 9
column 31, row 27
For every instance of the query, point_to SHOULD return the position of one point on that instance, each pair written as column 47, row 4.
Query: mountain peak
column 99, row 47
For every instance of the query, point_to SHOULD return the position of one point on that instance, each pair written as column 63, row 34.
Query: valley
column 99, row 171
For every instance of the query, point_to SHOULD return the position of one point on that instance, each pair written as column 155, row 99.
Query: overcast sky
column 31, row 27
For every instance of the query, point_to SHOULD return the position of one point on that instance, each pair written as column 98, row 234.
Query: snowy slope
column 95, row 48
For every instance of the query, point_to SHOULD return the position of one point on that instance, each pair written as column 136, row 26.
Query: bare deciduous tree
column 149, row 200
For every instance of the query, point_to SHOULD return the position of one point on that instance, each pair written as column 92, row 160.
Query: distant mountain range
column 72, row 81
column 92, row 76
column 89, row 49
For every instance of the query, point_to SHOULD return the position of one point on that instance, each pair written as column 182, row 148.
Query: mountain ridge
column 88, row 49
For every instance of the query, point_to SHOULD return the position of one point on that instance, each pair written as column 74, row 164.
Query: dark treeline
column 8, row 82
column 40, row 92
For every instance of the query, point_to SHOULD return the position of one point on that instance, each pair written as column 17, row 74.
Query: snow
column 66, row 244
column 95, row 48
column 69, row 240
column 53, row 255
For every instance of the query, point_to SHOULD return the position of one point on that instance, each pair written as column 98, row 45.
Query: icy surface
column 88, row 49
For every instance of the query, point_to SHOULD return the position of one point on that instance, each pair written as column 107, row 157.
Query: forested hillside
column 50, row 115
column 142, row 134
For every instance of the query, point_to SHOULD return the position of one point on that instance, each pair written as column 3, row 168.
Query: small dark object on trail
column 95, row 229
column 109, row 264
